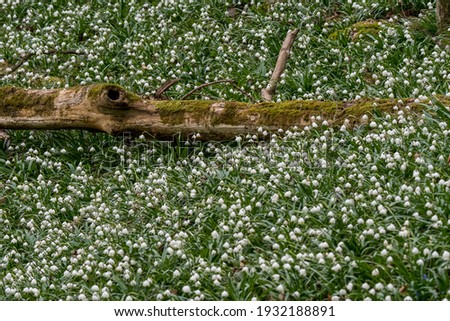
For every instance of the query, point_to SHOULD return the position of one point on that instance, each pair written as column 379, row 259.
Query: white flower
column 280, row 288
column 446, row 255
column 186, row 289
column 224, row 294
column 274, row 198
column 349, row 286
column 324, row 245
column 391, row 227
column 336, row 267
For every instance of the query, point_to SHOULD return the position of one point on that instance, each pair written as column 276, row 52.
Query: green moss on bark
column 358, row 30
column 283, row 114
column 13, row 100
column 294, row 112
column 174, row 112
column 96, row 90
column 229, row 115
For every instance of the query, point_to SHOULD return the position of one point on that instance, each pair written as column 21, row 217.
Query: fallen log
column 112, row 109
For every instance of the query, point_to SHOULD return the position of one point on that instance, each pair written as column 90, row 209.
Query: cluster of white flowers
column 141, row 46
column 311, row 213
column 148, row 226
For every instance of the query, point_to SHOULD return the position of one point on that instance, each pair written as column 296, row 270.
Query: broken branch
column 231, row 82
column 161, row 90
column 267, row 93
column 198, row 88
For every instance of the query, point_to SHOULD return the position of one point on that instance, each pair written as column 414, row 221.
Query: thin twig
column 229, row 81
column 20, row 63
column 242, row 92
column 205, row 85
column 164, row 87
column 268, row 92
column 27, row 56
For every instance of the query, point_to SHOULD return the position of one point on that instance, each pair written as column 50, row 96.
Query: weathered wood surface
column 443, row 15
column 267, row 93
column 112, row 109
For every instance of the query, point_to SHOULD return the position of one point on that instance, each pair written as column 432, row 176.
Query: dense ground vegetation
column 320, row 212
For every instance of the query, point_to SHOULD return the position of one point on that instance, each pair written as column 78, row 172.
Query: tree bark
column 267, row 93
column 112, row 109
column 443, row 15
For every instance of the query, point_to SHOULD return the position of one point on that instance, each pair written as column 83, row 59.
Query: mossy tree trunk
column 112, row 109
column 443, row 15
